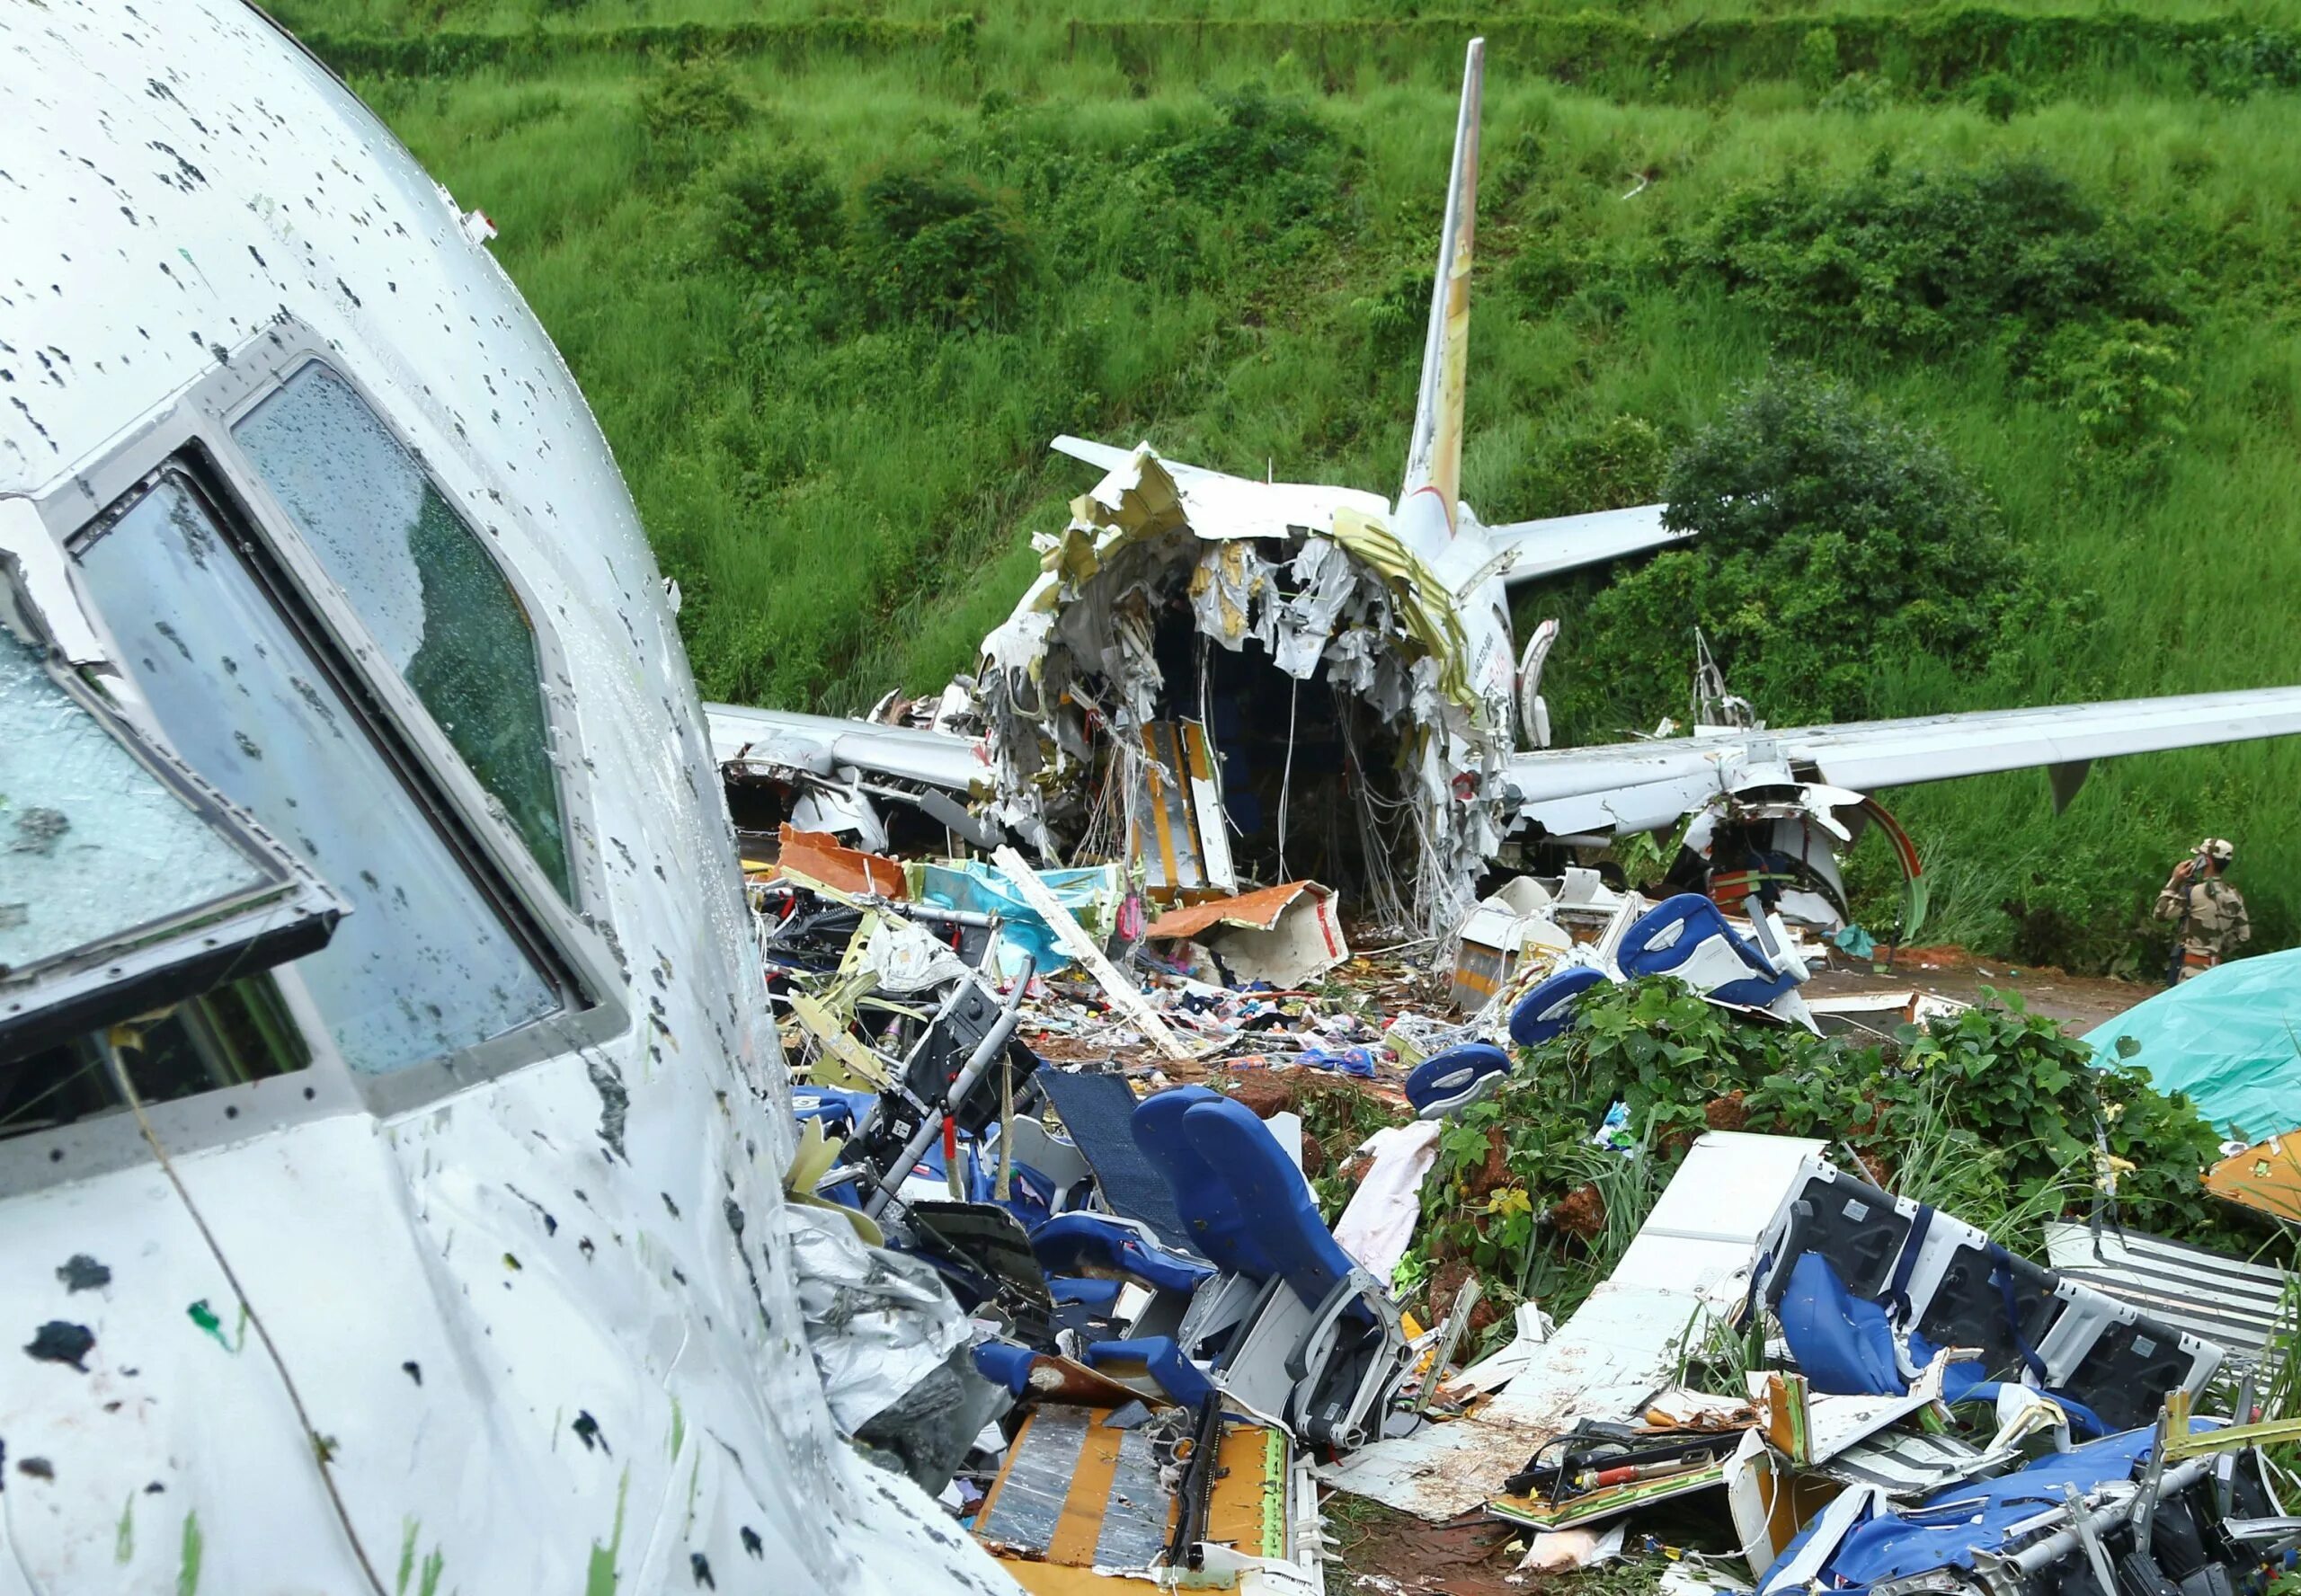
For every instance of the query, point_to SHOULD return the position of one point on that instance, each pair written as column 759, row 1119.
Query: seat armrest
column 1352, row 1288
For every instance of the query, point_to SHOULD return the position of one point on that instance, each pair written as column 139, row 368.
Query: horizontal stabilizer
column 823, row 744
column 1532, row 549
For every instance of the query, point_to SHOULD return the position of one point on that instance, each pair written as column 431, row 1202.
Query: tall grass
column 851, row 513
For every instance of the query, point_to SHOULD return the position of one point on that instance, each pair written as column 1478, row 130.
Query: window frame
column 573, row 943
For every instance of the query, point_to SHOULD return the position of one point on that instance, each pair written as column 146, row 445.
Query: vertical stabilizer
column 1434, row 456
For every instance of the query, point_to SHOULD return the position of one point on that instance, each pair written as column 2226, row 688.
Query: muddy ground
column 2077, row 1002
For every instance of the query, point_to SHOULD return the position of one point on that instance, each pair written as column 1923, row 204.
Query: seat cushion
column 1003, row 1363
column 1084, row 1243
column 1203, row 1197
column 1159, row 1357
column 1687, row 936
column 1460, row 1076
column 1549, row 1009
column 1278, row 1225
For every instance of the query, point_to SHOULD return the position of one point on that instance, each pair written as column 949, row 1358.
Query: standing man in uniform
column 2209, row 913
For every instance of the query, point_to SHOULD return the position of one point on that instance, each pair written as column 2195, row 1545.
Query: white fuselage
column 529, row 1291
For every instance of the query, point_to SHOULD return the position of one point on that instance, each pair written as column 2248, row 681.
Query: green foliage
column 2122, row 383
column 1817, row 60
column 1997, row 95
column 1599, row 465
column 778, row 213
column 687, row 112
column 1857, row 93
column 937, row 246
column 1262, row 148
column 1927, row 259
column 1833, row 540
column 1994, row 1115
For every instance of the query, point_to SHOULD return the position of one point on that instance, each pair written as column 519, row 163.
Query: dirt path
column 2078, row 1003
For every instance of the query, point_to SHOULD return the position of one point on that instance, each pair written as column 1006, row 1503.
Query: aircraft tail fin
column 1433, row 459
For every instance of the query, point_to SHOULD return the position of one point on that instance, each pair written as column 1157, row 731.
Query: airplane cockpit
column 280, row 593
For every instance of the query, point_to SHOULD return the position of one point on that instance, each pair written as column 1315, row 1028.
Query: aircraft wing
column 1643, row 786
column 1531, row 549
column 822, row 743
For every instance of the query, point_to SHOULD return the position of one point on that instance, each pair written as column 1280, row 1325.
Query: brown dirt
column 1580, row 1212
column 1726, row 1112
column 1493, row 1174
column 1471, row 1555
column 1446, row 1282
column 2077, row 1003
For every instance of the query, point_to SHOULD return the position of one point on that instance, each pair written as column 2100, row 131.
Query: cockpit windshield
column 423, row 584
column 423, row 966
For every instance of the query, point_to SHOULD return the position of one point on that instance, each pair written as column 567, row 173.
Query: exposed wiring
column 1286, row 777
column 318, row 1444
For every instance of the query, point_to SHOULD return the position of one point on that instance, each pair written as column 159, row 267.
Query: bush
column 1858, row 94
column 939, row 247
column 1600, row 466
column 778, row 213
column 688, row 111
column 1997, row 96
column 1260, row 148
column 1929, row 262
column 2122, row 382
column 1833, row 539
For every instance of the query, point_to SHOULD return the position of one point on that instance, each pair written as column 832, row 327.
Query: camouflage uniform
column 2213, row 922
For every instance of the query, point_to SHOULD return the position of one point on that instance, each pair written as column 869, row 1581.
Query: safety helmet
column 2216, row 847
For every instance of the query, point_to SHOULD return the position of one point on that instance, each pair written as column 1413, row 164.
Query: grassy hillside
column 831, row 281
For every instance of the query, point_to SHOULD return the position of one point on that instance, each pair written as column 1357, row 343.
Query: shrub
column 1923, row 261
column 1997, row 96
column 1833, row 538
column 1818, row 58
column 939, row 247
column 1259, row 147
column 688, row 111
column 778, row 213
column 1858, row 94
column 2122, row 382
column 1599, row 465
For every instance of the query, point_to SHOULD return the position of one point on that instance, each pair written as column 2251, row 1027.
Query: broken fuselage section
column 1228, row 687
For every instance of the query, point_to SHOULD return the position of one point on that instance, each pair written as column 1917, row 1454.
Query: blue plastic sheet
column 1843, row 1345
column 2230, row 1039
column 1092, row 895
column 1945, row 1529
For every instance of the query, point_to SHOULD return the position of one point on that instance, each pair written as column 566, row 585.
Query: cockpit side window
column 426, row 963
column 425, row 587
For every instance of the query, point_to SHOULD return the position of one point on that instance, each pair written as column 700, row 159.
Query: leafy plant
column 1994, row 1115
column 939, row 246
column 687, row 112
column 1919, row 259
column 1834, row 539
column 778, row 213
column 2122, row 382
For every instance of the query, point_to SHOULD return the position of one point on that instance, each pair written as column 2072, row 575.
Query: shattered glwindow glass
column 426, row 588
column 423, row 966
column 92, row 845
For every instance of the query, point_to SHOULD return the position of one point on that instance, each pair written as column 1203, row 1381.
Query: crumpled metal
column 878, row 1323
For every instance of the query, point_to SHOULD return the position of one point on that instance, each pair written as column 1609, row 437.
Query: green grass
column 850, row 509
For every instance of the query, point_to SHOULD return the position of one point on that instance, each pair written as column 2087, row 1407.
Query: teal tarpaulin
column 1090, row 894
column 2230, row 1038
